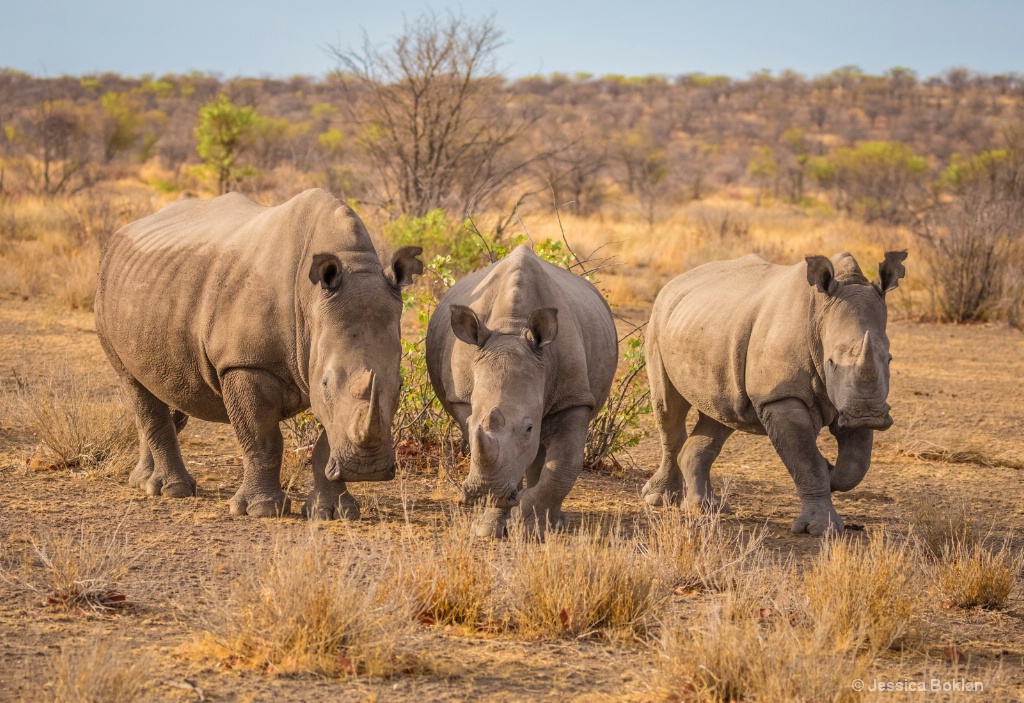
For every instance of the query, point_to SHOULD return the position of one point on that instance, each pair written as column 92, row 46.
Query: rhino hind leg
column 161, row 470
column 144, row 469
column 254, row 401
column 329, row 500
column 665, row 487
column 699, row 453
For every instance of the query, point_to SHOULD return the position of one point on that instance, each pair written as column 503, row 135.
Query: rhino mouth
column 505, row 497
column 360, row 467
column 872, row 421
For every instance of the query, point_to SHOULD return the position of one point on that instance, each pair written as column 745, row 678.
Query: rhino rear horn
column 820, row 273
column 404, row 265
column 891, row 270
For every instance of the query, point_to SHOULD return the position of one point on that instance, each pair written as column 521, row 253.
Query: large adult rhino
column 522, row 354
column 776, row 350
column 230, row 311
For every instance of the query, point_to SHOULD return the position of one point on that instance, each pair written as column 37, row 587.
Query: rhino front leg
column 665, row 487
column 699, row 453
column 254, row 401
column 161, row 470
column 330, row 500
column 793, row 433
column 564, row 438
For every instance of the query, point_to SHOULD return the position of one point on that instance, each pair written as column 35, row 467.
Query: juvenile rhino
column 230, row 311
column 522, row 355
column 776, row 350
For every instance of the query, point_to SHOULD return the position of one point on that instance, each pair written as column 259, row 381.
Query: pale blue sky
column 734, row 37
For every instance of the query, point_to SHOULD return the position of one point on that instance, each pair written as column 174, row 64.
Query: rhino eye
column 529, row 428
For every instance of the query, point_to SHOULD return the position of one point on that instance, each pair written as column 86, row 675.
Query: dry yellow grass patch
column 97, row 672
column 698, row 550
column 756, row 642
column 970, row 574
column 74, row 569
column 450, row 576
column 76, row 425
column 865, row 593
column 594, row 581
column 936, row 527
column 315, row 604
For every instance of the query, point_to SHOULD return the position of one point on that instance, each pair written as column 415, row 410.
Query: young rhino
column 776, row 350
column 230, row 311
column 522, row 355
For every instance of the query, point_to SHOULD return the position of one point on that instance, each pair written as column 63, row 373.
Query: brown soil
column 959, row 434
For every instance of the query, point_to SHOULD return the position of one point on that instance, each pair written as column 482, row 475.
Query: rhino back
column 734, row 335
column 582, row 357
column 202, row 287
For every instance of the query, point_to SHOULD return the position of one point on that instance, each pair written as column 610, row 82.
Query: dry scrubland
column 107, row 595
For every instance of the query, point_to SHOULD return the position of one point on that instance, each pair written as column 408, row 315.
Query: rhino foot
column 818, row 518
column 492, row 523
column 260, row 504
column 170, row 486
column 345, row 508
column 538, row 517
column 140, row 475
column 708, row 504
column 664, row 488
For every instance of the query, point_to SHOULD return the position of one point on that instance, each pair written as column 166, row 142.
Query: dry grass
column 773, row 651
column 316, row 605
column 450, row 576
column 594, row 581
column 938, row 526
column 97, row 672
column 696, row 550
column 865, row 593
column 970, row 574
column 76, row 425
column 75, row 569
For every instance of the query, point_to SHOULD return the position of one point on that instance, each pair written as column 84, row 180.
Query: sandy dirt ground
column 956, row 394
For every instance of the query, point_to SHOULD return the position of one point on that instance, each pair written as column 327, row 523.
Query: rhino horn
column 369, row 424
column 486, row 447
column 866, row 360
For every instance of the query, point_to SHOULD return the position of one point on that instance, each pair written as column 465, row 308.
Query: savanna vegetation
column 625, row 180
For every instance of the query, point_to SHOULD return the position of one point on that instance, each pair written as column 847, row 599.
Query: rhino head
column 354, row 326
column 507, row 402
column 855, row 348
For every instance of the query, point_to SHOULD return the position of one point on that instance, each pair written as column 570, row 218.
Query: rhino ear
column 326, row 270
column 891, row 270
column 404, row 265
column 820, row 274
column 543, row 326
column 467, row 326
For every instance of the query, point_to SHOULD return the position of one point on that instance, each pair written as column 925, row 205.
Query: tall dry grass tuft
column 315, row 605
column 865, row 593
column 97, row 672
column 970, row 574
column 594, row 581
column 755, row 642
column 697, row 550
column 936, row 527
column 75, row 569
column 450, row 576
column 76, row 425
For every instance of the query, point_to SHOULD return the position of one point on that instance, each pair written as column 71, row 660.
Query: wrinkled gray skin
column 522, row 355
column 776, row 350
column 230, row 311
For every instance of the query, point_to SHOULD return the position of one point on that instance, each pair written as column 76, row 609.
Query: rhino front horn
column 485, row 447
column 369, row 425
